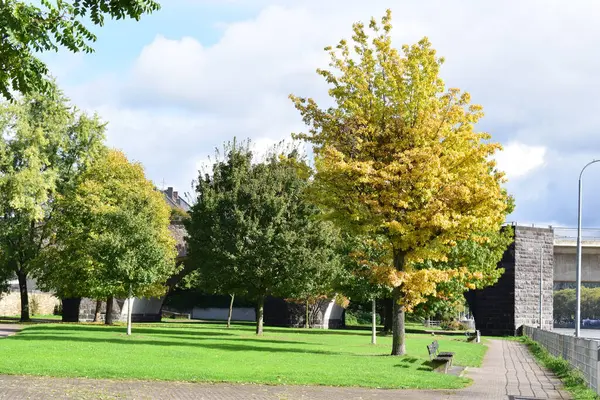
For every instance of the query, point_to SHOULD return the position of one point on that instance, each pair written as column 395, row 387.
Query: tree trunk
column 230, row 310
column 129, row 306
column 70, row 309
column 98, row 311
column 388, row 306
column 307, row 318
column 260, row 306
column 374, row 322
column 398, row 332
column 24, row 296
column 108, row 320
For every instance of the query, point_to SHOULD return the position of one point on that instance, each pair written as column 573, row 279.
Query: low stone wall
column 10, row 303
column 580, row 353
column 220, row 314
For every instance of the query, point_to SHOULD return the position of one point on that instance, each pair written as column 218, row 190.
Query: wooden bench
column 444, row 358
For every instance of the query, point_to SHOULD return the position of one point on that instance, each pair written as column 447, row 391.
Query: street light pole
column 578, row 270
column 541, row 283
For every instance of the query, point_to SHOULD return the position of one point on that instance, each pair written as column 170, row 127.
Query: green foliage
column 564, row 304
column 572, row 378
column 360, row 318
column 27, row 28
column 45, row 144
column 360, row 255
column 398, row 155
column 112, row 235
column 178, row 215
column 479, row 259
column 34, row 305
column 253, row 233
column 453, row 326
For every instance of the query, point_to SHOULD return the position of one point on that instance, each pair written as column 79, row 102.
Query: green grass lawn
column 191, row 351
column 9, row 319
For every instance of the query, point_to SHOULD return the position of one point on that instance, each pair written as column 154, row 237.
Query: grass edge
column 571, row 377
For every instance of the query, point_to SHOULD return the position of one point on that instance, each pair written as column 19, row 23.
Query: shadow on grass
column 217, row 346
column 409, row 361
column 120, row 329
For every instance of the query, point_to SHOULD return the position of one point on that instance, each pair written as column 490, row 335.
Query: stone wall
column 504, row 308
column 10, row 303
column 529, row 242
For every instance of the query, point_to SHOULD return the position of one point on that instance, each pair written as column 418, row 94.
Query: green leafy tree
column 479, row 261
column 112, row 237
column 361, row 254
column 253, row 233
column 398, row 155
column 27, row 28
column 564, row 304
column 44, row 146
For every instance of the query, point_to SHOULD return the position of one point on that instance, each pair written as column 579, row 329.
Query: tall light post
column 578, row 270
column 541, row 283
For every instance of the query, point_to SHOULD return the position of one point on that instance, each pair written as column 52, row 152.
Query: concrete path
column 508, row 373
column 9, row 329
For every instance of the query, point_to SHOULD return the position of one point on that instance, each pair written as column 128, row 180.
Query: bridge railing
column 571, row 233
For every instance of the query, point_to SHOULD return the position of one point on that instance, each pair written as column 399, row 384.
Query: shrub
column 453, row 326
column 34, row 305
column 357, row 317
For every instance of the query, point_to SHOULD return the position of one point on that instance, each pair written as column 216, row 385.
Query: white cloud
column 528, row 62
column 518, row 159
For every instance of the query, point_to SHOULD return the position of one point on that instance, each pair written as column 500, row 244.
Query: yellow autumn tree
column 398, row 155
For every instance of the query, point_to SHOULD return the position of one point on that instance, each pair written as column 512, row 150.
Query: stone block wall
column 10, row 303
column 513, row 301
column 534, row 260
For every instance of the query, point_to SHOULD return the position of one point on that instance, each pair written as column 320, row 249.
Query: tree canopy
column 27, row 28
column 477, row 263
column 112, row 235
column 398, row 155
column 253, row 233
column 45, row 144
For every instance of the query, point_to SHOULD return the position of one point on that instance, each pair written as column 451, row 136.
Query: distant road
column 586, row 333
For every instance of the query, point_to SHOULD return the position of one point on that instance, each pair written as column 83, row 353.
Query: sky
column 182, row 81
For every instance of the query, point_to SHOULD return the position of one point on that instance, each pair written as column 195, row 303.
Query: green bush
column 453, row 326
column 357, row 317
column 34, row 305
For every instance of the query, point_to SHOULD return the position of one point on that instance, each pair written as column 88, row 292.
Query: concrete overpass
column 565, row 257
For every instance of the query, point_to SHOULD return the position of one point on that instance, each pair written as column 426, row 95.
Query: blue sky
column 180, row 82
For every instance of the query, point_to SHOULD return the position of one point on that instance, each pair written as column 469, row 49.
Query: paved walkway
column 9, row 329
column 508, row 370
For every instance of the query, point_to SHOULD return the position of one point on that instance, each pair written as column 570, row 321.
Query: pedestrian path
column 9, row 329
column 509, row 372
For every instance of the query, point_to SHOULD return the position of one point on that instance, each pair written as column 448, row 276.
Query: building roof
column 175, row 201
